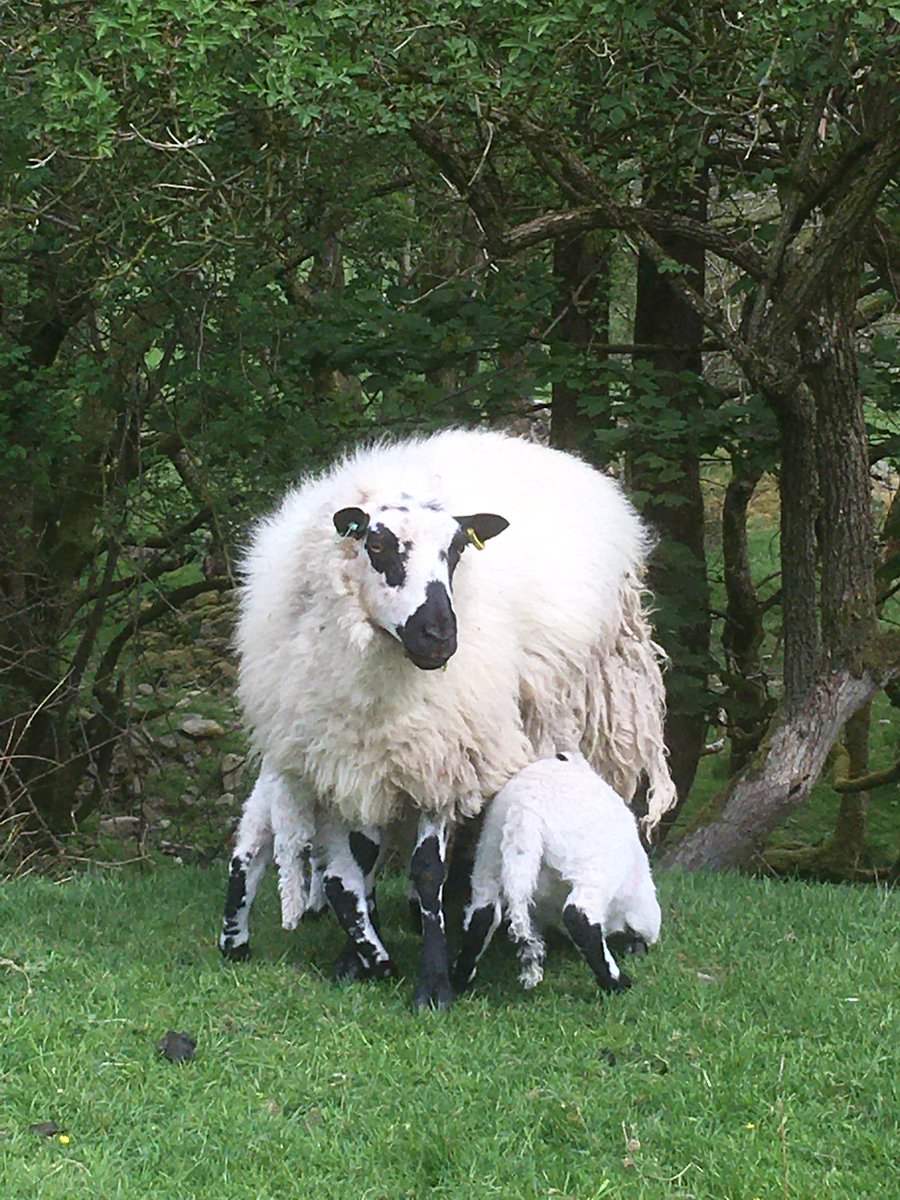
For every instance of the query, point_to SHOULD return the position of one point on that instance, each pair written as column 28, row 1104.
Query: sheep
column 372, row 695
column 559, row 846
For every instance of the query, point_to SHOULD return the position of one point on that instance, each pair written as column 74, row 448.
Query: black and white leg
column 247, row 869
column 584, row 927
column 277, row 821
column 254, row 847
column 427, row 870
column 627, row 942
column 350, row 859
column 479, row 925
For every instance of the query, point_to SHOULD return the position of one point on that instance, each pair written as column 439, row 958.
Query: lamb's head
column 405, row 556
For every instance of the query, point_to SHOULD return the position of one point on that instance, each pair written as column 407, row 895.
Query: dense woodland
column 238, row 236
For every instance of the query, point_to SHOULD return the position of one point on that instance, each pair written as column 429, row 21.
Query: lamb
column 559, row 847
column 391, row 672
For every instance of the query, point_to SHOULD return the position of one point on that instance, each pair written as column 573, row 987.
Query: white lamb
column 544, row 643
column 559, row 848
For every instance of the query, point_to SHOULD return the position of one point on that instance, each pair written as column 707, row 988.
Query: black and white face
column 407, row 555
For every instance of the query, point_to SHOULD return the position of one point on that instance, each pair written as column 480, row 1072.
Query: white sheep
column 559, row 848
column 544, row 643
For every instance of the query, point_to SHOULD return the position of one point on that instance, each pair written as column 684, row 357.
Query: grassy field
column 756, row 1055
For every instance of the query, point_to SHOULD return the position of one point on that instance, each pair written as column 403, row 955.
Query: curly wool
column 554, row 647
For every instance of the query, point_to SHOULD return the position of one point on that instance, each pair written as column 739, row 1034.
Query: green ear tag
column 474, row 538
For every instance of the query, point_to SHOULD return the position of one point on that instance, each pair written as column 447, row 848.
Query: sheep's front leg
column 351, row 856
column 427, row 871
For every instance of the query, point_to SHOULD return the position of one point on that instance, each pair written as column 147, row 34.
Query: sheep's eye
column 375, row 545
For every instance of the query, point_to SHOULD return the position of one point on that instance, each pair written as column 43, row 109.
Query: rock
column 232, row 770
column 177, row 1047
column 196, row 727
column 122, row 827
column 226, row 800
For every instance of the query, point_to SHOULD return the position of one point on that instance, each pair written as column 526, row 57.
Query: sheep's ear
column 480, row 527
column 351, row 522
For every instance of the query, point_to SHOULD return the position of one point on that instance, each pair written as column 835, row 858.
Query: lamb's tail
column 522, row 847
column 293, row 824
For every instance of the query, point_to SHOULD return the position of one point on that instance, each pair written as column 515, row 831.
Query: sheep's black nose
column 429, row 635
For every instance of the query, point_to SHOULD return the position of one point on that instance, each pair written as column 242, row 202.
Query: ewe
column 559, row 848
column 542, row 638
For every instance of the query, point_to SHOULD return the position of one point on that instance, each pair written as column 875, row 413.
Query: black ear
column 351, row 522
column 480, row 527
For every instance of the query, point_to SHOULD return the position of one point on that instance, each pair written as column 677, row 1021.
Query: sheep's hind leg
column 351, row 858
column 479, row 926
column 247, row 869
column 427, row 871
column 588, row 937
column 483, row 912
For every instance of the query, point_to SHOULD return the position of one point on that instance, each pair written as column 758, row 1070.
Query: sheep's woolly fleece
column 554, row 646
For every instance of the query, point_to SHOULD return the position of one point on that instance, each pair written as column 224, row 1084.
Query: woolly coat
column 554, row 647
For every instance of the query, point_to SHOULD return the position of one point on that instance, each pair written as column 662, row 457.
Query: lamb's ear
column 351, row 522
column 480, row 527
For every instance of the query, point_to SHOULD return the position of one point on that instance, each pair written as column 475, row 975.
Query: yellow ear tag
column 474, row 539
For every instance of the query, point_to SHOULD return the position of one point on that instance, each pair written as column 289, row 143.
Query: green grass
column 756, row 1055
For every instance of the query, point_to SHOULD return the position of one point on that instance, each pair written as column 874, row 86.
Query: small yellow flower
column 64, row 1139
column 750, row 1125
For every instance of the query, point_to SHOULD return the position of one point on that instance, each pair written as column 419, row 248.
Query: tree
column 224, row 224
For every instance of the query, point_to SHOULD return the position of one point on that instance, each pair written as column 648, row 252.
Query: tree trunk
column 783, row 772
column 581, row 273
column 669, row 476
column 746, row 701
column 848, row 841
column 798, row 490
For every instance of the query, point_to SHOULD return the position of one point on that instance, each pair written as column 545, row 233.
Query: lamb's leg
column 252, row 854
column 484, row 910
column 479, row 925
column 582, row 919
column 427, row 870
column 350, row 859
column 627, row 942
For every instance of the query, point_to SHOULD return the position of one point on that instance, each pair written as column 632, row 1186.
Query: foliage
column 238, row 236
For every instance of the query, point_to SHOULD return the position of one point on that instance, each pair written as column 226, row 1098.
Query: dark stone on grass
column 46, row 1128
column 177, row 1047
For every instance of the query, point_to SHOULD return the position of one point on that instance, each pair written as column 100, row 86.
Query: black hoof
column 348, row 968
column 461, row 981
column 383, row 970
column 238, row 953
column 622, row 984
column 433, row 993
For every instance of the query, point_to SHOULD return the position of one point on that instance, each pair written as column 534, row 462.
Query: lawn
column 756, row 1055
